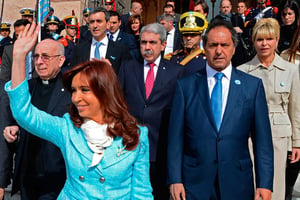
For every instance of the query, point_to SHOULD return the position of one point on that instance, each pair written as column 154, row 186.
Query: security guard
column 85, row 33
column 191, row 25
column 27, row 13
column 6, row 39
column 71, row 38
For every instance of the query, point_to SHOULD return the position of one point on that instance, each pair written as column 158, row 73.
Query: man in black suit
column 39, row 171
column 148, row 88
column 6, row 158
column 99, row 47
column 116, row 35
column 173, row 34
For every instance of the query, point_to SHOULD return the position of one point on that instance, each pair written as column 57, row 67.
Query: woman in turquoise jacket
column 106, row 153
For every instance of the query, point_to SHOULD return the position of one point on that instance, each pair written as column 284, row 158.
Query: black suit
column 6, row 149
column 124, row 20
column 129, row 41
column 6, row 64
column 51, row 163
column 152, row 112
column 116, row 53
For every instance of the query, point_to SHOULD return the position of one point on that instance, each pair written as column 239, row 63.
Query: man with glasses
column 39, row 167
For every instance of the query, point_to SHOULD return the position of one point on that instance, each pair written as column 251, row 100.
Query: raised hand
column 26, row 40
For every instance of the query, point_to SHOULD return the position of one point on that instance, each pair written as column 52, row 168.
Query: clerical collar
column 50, row 81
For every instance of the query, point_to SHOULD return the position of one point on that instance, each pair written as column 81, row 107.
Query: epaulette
column 169, row 55
column 63, row 41
column 247, row 11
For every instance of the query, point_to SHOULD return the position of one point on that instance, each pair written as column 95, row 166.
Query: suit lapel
column 203, row 93
column 139, row 74
column 114, row 153
column 234, row 96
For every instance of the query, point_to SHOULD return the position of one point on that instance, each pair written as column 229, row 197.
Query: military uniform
column 5, row 40
column 69, row 42
column 190, row 23
column 85, row 33
column 45, row 31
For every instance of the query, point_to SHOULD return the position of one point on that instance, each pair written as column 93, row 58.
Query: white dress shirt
column 211, row 81
column 170, row 42
column 115, row 35
column 147, row 68
column 102, row 48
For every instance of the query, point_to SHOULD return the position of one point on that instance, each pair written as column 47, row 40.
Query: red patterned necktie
column 149, row 80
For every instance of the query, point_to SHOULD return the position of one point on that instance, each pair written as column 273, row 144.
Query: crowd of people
column 182, row 108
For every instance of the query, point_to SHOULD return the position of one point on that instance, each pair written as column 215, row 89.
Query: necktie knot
column 151, row 65
column 98, row 44
column 111, row 37
column 219, row 76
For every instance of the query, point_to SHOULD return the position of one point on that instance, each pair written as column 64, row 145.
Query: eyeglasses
column 45, row 58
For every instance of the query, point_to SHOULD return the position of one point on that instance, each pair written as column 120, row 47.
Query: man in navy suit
column 148, row 88
column 100, row 47
column 116, row 35
column 213, row 115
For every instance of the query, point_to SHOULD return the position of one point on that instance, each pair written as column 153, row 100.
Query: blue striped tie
column 97, row 51
column 216, row 99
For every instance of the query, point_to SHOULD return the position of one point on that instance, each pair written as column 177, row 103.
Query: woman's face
column 135, row 26
column 265, row 45
column 85, row 100
column 288, row 16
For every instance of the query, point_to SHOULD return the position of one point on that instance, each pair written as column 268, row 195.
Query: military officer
column 191, row 25
column 27, row 13
column 85, row 33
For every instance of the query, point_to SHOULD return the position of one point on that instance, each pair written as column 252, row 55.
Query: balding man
column 136, row 9
column 39, row 169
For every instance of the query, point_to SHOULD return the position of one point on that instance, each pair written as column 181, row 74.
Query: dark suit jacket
column 124, row 21
column 154, row 111
column 115, row 53
column 129, row 41
column 7, row 150
column 198, row 153
column 6, row 64
column 54, row 163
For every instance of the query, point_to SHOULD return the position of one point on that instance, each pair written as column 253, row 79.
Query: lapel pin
column 282, row 84
column 237, row 82
column 112, row 57
column 164, row 67
column 121, row 151
column 62, row 89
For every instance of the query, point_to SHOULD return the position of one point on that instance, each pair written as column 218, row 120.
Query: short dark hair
column 100, row 9
column 203, row 4
column 221, row 23
column 21, row 22
column 168, row 6
column 114, row 14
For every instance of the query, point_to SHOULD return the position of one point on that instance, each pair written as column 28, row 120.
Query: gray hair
column 166, row 17
column 157, row 29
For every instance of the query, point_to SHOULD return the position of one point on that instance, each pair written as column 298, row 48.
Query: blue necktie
column 97, row 51
column 216, row 99
column 111, row 37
